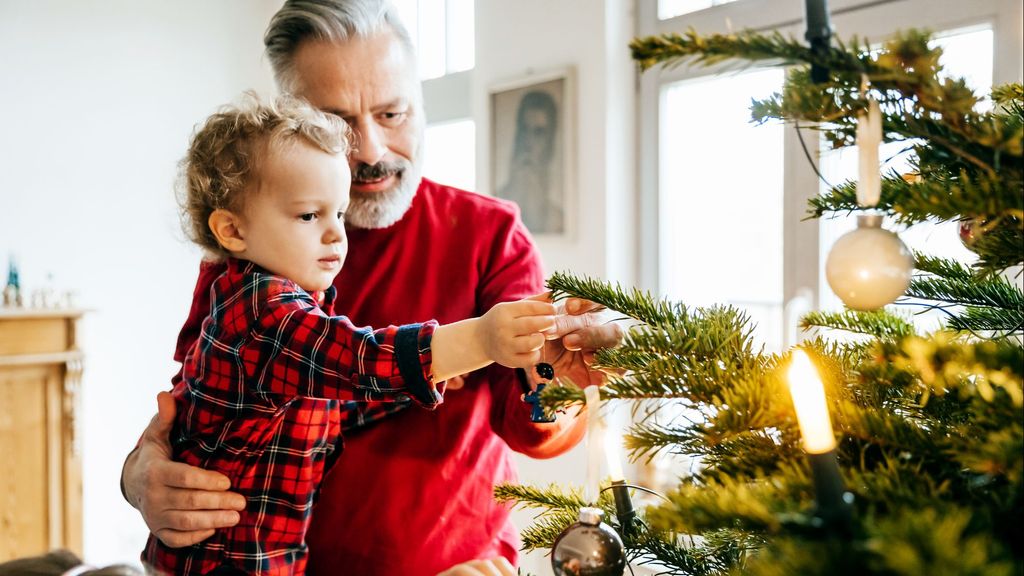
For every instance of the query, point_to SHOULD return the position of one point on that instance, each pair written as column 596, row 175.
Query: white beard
column 382, row 209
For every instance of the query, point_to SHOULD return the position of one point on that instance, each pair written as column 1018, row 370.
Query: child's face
column 293, row 222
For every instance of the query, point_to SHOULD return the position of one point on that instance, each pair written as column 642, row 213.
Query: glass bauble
column 869, row 267
column 588, row 548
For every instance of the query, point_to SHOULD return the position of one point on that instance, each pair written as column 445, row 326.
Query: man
column 418, row 249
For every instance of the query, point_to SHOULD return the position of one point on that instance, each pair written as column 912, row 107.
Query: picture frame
column 532, row 123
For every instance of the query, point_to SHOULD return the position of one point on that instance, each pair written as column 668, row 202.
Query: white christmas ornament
column 869, row 267
column 869, row 138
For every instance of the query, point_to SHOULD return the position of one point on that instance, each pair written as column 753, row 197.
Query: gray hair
column 330, row 20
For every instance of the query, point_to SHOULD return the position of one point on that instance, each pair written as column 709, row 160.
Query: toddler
column 263, row 390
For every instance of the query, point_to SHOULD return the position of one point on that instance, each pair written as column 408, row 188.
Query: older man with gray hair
column 413, row 492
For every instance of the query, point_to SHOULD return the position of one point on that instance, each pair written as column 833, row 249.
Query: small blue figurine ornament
column 532, row 397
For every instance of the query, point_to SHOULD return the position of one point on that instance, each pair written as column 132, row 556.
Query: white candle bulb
column 869, row 138
column 612, row 447
column 595, row 442
column 811, row 407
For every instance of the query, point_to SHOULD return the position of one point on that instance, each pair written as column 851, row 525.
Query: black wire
column 635, row 487
column 807, row 154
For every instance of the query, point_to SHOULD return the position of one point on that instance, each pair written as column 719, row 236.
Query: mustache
column 377, row 171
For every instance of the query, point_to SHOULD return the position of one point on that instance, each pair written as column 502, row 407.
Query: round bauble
column 869, row 267
column 971, row 229
column 588, row 548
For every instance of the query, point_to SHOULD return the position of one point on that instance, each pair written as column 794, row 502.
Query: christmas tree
column 929, row 428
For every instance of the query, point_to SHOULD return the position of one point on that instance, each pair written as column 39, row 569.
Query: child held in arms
column 262, row 398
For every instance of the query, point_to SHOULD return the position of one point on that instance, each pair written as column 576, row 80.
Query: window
column 721, row 198
column 450, row 149
column 442, row 32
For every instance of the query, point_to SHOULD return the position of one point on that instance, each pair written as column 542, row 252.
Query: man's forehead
column 355, row 73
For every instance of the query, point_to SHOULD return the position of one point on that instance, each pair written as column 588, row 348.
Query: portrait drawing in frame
column 531, row 121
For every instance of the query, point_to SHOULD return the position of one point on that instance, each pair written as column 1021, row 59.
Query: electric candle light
column 595, row 442
column 624, row 510
column 811, row 407
column 819, row 442
column 819, row 34
column 612, row 442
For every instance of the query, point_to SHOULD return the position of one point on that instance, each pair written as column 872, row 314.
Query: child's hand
column 512, row 333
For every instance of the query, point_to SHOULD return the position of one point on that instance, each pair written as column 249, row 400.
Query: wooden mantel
column 40, row 443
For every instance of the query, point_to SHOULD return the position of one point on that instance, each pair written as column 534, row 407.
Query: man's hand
column 580, row 333
column 493, row 567
column 181, row 504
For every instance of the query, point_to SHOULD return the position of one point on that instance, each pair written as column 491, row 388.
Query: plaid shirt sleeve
column 355, row 415
column 304, row 352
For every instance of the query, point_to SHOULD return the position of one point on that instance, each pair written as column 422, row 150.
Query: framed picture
column 531, row 149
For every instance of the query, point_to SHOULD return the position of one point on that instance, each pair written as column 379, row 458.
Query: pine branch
column 739, row 504
column 943, row 267
column 946, row 364
column 675, row 49
column 717, row 552
column 558, row 510
column 542, row 533
column 994, row 292
column 976, row 319
column 934, row 541
column 879, row 323
column 637, row 304
column 987, row 196
column 554, row 497
column 904, row 76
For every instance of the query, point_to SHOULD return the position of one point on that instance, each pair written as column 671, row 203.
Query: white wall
column 98, row 100
column 516, row 39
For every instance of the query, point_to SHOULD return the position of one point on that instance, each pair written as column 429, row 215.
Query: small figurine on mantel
column 12, row 291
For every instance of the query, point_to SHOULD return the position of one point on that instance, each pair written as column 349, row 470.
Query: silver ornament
column 588, row 548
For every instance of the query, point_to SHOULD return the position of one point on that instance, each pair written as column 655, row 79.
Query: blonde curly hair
column 223, row 156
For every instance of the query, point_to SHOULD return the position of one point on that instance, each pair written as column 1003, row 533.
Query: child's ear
column 225, row 228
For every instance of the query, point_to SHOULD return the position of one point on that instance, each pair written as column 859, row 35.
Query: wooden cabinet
column 40, row 446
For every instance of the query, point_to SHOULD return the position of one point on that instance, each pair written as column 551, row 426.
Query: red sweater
column 413, row 493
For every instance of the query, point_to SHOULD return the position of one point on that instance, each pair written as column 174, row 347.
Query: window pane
column 966, row 53
column 442, row 31
column 672, row 8
column 409, row 13
column 461, row 41
column 721, row 198
column 451, row 154
column 432, row 30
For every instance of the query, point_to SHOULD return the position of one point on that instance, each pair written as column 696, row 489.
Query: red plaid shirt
column 260, row 401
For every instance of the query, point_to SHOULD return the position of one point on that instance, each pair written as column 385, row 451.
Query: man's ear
column 225, row 226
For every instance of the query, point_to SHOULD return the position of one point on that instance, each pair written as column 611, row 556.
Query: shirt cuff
column 412, row 353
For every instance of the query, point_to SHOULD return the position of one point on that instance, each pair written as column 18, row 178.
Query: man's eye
column 341, row 214
column 308, row 217
column 392, row 118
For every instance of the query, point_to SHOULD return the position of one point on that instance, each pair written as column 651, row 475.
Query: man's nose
column 371, row 145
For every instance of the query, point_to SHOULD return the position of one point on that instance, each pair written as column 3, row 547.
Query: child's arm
column 294, row 349
column 510, row 333
column 299, row 351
